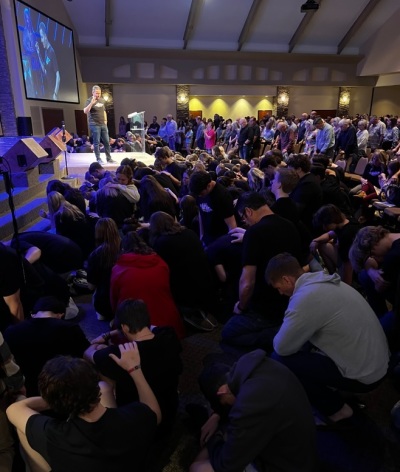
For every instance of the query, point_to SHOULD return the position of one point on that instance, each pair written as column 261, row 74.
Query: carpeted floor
column 371, row 446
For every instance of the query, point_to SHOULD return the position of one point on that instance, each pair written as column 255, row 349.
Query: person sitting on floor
column 42, row 337
column 375, row 254
column 269, row 420
column 93, row 434
column 334, row 244
column 159, row 350
column 330, row 337
column 100, row 264
column 260, row 309
column 140, row 273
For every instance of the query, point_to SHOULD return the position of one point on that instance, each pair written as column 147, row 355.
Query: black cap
column 49, row 303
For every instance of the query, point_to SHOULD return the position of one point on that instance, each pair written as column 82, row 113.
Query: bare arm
column 246, row 286
column 18, row 413
column 15, row 305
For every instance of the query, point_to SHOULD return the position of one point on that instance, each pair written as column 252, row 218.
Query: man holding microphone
column 96, row 111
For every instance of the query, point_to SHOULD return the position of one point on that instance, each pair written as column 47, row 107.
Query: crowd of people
column 251, row 225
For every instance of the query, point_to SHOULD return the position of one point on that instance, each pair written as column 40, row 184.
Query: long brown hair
column 162, row 223
column 108, row 241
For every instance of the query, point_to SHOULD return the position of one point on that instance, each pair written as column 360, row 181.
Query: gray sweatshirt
column 339, row 322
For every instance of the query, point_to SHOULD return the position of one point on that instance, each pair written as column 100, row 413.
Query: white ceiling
column 230, row 25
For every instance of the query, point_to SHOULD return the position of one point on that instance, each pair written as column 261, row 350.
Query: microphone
column 63, row 131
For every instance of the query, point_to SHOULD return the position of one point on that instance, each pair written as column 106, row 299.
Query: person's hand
column 363, row 181
column 236, row 309
column 313, row 246
column 209, row 428
column 237, row 235
column 100, row 339
column 380, row 283
column 130, row 356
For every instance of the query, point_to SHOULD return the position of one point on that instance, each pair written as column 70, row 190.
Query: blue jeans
column 318, row 374
column 100, row 132
column 246, row 332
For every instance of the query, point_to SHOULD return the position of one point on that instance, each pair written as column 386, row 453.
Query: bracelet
column 132, row 369
column 106, row 336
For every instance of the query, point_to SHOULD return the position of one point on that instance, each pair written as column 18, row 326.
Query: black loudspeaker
column 24, row 126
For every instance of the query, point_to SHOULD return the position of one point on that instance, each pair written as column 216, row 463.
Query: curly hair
column 363, row 243
column 69, row 385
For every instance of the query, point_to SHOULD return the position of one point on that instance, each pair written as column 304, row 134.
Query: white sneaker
column 72, row 310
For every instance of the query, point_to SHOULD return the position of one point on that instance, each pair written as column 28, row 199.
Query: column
column 182, row 102
column 282, row 101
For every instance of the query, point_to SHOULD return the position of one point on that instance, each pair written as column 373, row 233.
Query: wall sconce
column 344, row 99
column 283, row 99
column 183, row 98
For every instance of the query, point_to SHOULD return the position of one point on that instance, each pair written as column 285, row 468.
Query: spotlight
column 309, row 6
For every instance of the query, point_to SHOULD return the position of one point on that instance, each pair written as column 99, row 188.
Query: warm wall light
column 183, row 98
column 344, row 99
column 283, row 99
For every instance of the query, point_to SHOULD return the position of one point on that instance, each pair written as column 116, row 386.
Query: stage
column 78, row 163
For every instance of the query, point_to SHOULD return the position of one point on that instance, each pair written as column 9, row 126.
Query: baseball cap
column 49, row 303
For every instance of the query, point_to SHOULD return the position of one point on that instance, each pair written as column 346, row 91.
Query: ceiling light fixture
column 310, row 5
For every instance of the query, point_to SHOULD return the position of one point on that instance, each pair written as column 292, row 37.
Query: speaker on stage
column 24, row 126
column 57, row 133
column 52, row 146
column 24, row 155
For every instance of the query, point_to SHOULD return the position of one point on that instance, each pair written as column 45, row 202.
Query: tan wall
column 229, row 106
column 154, row 100
column 386, row 100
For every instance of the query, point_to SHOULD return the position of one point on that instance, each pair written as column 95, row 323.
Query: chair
column 298, row 147
column 341, row 163
column 361, row 165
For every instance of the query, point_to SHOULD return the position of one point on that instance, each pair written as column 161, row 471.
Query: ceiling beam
column 107, row 21
column 302, row 27
column 248, row 23
column 195, row 9
column 357, row 25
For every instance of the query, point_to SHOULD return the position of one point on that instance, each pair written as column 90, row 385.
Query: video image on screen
column 47, row 56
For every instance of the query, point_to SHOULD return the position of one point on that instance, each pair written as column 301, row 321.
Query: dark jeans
column 100, row 132
column 318, row 374
column 246, row 332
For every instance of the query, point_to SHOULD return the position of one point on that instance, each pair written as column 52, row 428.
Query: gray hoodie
column 339, row 322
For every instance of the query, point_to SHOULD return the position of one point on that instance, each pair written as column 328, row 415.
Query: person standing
column 49, row 65
column 172, row 128
column 95, row 109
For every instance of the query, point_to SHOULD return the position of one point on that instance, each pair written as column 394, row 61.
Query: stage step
column 25, row 215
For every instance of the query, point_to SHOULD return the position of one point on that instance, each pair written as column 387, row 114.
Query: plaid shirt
column 11, row 378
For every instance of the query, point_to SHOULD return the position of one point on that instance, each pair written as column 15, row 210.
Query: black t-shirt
column 10, row 282
column 287, row 208
column 36, row 340
column 214, row 209
column 272, row 235
column 118, row 441
column 99, row 274
column 190, row 276
column 176, row 170
column 153, row 129
column 345, row 238
column 96, row 113
column 308, row 197
column 161, row 365
column 59, row 253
